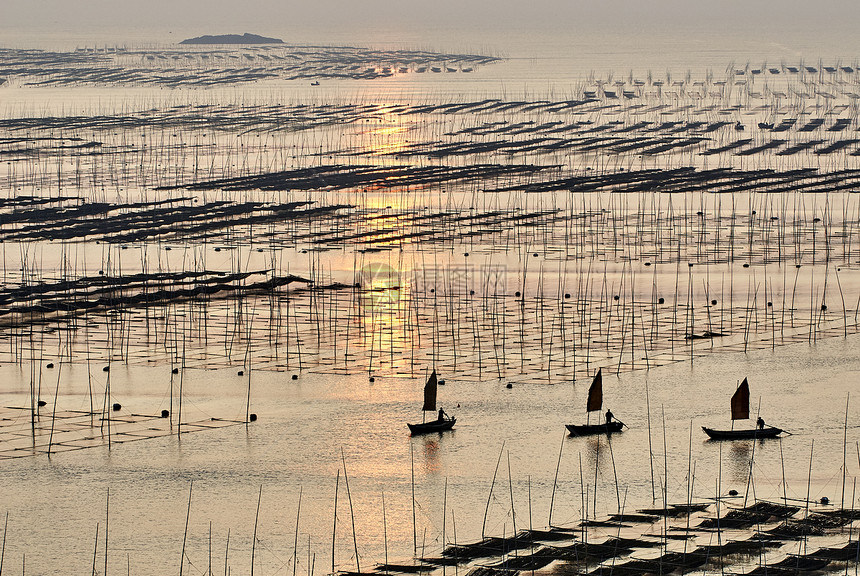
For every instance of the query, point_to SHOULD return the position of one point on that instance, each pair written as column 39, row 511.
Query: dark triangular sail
column 430, row 393
column 595, row 393
column 741, row 402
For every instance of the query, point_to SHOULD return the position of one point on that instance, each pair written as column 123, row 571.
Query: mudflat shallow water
column 414, row 307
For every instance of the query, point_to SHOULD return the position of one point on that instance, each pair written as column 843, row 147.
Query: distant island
column 232, row 39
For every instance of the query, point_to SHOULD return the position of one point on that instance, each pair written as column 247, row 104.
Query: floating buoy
column 117, row 407
column 165, row 413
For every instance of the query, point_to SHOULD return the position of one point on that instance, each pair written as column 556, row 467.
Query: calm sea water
column 306, row 427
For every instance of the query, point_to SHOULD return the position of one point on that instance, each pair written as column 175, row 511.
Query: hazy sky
column 777, row 20
column 286, row 14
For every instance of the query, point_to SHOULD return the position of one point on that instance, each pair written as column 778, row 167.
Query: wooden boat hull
column 433, row 426
column 589, row 429
column 754, row 434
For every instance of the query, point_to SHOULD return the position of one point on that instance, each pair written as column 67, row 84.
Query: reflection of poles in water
column 351, row 512
column 107, row 518
column 414, row 525
column 6, row 529
column 842, row 296
column 95, row 547
column 650, row 447
column 90, row 375
column 718, row 498
column 583, row 508
column 691, row 309
column 513, row 508
column 106, row 409
column 182, row 382
column 750, row 481
column 254, row 538
column 555, row 480
column 690, row 474
column 596, row 467
column 444, row 518
column 808, row 486
column 334, row 525
column 248, row 364
column 782, row 463
column 296, row 541
column 311, row 559
column 384, row 530
column 185, row 534
column 32, row 389
column 454, row 529
column 209, row 570
column 665, row 481
column 54, row 410
column 529, row 482
column 614, row 472
column 844, row 451
column 490, row 496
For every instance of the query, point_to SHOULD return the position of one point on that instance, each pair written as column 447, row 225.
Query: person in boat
column 760, row 423
column 442, row 415
column 609, row 417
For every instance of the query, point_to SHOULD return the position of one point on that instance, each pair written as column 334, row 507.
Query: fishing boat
column 741, row 411
column 443, row 422
column 755, row 433
column 595, row 403
column 433, row 426
column 588, row 429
